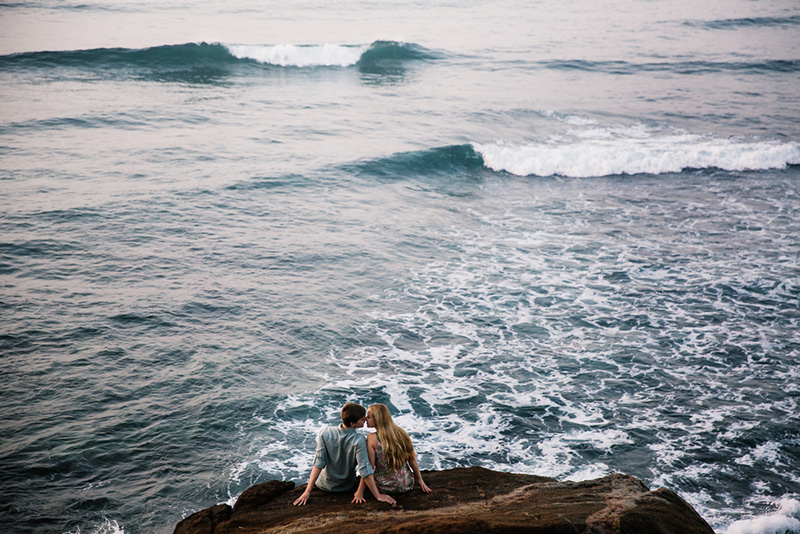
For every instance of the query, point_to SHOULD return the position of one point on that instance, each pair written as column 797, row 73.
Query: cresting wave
column 189, row 55
column 441, row 160
column 330, row 55
column 637, row 155
column 589, row 157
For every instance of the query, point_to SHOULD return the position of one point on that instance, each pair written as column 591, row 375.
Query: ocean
column 554, row 238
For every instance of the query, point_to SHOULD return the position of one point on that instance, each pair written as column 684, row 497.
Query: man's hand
column 358, row 498
column 386, row 498
column 302, row 499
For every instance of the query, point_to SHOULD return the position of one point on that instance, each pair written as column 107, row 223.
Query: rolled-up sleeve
column 362, row 458
column 321, row 456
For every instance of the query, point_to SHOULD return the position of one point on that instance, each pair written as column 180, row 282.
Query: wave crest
column 327, row 55
column 182, row 56
column 331, row 55
column 382, row 51
column 441, row 160
column 649, row 155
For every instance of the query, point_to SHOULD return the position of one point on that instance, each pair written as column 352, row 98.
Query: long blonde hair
column 395, row 442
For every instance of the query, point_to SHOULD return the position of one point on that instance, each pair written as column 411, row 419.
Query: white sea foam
column 769, row 452
column 287, row 55
column 108, row 526
column 487, row 365
column 398, row 396
column 783, row 521
column 604, row 152
column 589, row 472
column 600, row 439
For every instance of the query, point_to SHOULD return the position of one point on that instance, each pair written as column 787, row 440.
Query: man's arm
column 302, row 499
column 358, row 498
column 320, row 462
column 362, row 486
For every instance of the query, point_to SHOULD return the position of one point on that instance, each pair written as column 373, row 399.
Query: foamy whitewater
column 327, row 55
column 600, row 153
column 549, row 245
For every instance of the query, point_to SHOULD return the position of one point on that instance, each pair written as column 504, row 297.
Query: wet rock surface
column 464, row 501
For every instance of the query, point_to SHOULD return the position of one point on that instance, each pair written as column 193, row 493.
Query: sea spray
column 783, row 521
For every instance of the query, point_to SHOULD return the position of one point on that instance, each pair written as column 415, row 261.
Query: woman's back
column 392, row 454
column 390, row 480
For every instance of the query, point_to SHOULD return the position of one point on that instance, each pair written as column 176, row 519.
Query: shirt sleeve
column 321, row 456
column 362, row 458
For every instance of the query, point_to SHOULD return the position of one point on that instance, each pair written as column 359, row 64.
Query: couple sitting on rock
column 385, row 459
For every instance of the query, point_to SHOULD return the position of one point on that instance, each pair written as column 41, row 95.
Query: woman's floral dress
column 389, row 481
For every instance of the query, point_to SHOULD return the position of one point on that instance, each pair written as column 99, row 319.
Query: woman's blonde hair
column 395, row 442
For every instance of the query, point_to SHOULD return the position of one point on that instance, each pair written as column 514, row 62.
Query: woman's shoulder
column 372, row 438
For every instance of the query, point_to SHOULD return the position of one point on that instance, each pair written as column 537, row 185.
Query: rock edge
column 467, row 500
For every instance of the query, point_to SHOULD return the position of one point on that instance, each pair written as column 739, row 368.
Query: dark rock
column 259, row 495
column 469, row 500
column 205, row 521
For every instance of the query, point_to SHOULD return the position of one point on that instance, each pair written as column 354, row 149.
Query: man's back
column 339, row 451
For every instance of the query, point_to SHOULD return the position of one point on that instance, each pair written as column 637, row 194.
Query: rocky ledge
column 469, row 500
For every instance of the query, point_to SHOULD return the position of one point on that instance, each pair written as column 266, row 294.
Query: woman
column 391, row 455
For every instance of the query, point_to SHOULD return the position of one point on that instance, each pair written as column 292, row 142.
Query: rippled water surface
column 559, row 240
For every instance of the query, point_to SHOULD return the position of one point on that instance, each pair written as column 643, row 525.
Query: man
column 339, row 450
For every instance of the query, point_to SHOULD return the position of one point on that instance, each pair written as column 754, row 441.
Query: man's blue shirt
column 339, row 451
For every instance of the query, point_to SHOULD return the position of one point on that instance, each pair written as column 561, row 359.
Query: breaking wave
column 637, row 155
column 586, row 158
column 330, row 55
column 786, row 520
column 186, row 55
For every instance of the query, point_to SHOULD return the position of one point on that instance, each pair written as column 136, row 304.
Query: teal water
column 560, row 242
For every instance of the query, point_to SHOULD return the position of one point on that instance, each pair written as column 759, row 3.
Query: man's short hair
column 352, row 412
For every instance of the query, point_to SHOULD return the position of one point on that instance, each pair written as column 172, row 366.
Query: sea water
column 555, row 238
